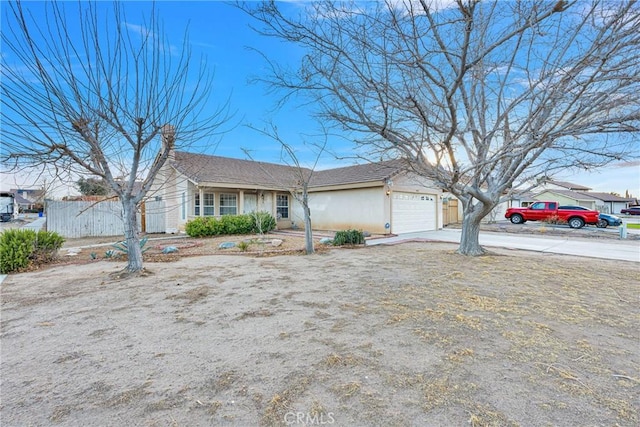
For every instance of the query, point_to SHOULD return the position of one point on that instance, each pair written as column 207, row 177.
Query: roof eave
column 347, row 186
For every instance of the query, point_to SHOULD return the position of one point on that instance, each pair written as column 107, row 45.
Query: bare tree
column 298, row 187
column 88, row 92
column 480, row 97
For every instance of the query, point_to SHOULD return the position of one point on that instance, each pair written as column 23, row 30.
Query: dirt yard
column 411, row 334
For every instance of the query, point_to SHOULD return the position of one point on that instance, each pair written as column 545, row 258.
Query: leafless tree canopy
column 89, row 92
column 478, row 95
column 299, row 188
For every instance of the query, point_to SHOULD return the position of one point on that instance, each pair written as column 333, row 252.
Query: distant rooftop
column 569, row 185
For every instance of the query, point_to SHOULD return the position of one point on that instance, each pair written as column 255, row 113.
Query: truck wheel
column 576, row 223
column 602, row 223
column 517, row 219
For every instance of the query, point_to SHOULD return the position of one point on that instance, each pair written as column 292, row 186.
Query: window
column 537, row 205
column 209, row 199
column 228, row 204
column 282, row 206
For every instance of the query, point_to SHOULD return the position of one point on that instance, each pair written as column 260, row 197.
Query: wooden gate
column 450, row 211
column 153, row 216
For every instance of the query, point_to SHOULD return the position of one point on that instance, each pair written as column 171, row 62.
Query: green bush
column 348, row 237
column 19, row 248
column 236, row 224
column 229, row 224
column 263, row 222
column 46, row 246
column 199, row 227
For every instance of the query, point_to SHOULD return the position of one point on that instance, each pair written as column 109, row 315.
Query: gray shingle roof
column 368, row 172
column 606, row 197
column 569, row 185
column 572, row 194
column 203, row 168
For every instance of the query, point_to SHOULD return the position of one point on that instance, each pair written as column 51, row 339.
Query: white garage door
column 411, row 212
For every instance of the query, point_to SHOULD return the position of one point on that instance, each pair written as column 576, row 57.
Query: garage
column 411, row 212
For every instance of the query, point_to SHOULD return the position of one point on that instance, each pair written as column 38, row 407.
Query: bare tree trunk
column 308, row 232
column 469, row 240
column 134, row 252
column 473, row 213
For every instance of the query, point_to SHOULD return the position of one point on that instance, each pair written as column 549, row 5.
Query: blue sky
column 221, row 33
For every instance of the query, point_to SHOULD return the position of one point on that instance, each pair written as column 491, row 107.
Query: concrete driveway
column 623, row 250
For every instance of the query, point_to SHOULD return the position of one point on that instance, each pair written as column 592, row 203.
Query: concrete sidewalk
column 623, row 250
column 35, row 225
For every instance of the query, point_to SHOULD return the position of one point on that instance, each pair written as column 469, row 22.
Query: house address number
column 421, row 197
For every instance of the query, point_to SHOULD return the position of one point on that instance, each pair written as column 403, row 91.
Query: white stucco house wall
column 375, row 197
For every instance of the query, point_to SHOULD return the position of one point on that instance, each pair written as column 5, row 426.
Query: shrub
column 47, row 245
column 263, row 222
column 199, row 227
column 19, row 248
column 231, row 224
column 243, row 246
column 348, row 237
column 236, row 224
column 553, row 219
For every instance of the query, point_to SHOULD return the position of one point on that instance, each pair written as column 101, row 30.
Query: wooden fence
column 74, row 219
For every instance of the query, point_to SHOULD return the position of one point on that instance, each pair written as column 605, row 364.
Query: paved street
column 624, row 250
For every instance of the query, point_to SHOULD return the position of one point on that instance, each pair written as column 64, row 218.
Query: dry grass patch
column 129, row 396
column 414, row 335
column 336, row 360
column 282, row 402
column 263, row 312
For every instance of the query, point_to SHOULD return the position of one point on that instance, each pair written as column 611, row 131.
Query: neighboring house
column 560, row 185
column 28, row 198
column 567, row 193
column 22, row 203
column 520, row 199
column 375, row 197
column 609, row 203
column 568, row 197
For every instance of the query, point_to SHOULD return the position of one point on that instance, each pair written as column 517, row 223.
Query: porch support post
column 241, row 202
column 201, row 195
column 274, row 211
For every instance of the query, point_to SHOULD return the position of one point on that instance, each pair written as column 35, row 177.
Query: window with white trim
column 228, row 204
column 209, row 204
column 282, row 206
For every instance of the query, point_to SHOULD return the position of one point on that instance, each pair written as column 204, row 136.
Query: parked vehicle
column 7, row 201
column 549, row 211
column 570, row 207
column 634, row 210
column 606, row 220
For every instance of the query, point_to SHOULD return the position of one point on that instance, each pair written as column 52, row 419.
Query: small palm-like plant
column 243, row 245
column 122, row 246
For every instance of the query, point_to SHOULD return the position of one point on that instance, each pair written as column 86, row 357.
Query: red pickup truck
column 541, row 211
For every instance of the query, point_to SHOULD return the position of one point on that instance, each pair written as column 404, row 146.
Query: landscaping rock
column 276, row 242
column 326, row 241
column 226, row 245
column 169, row 250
